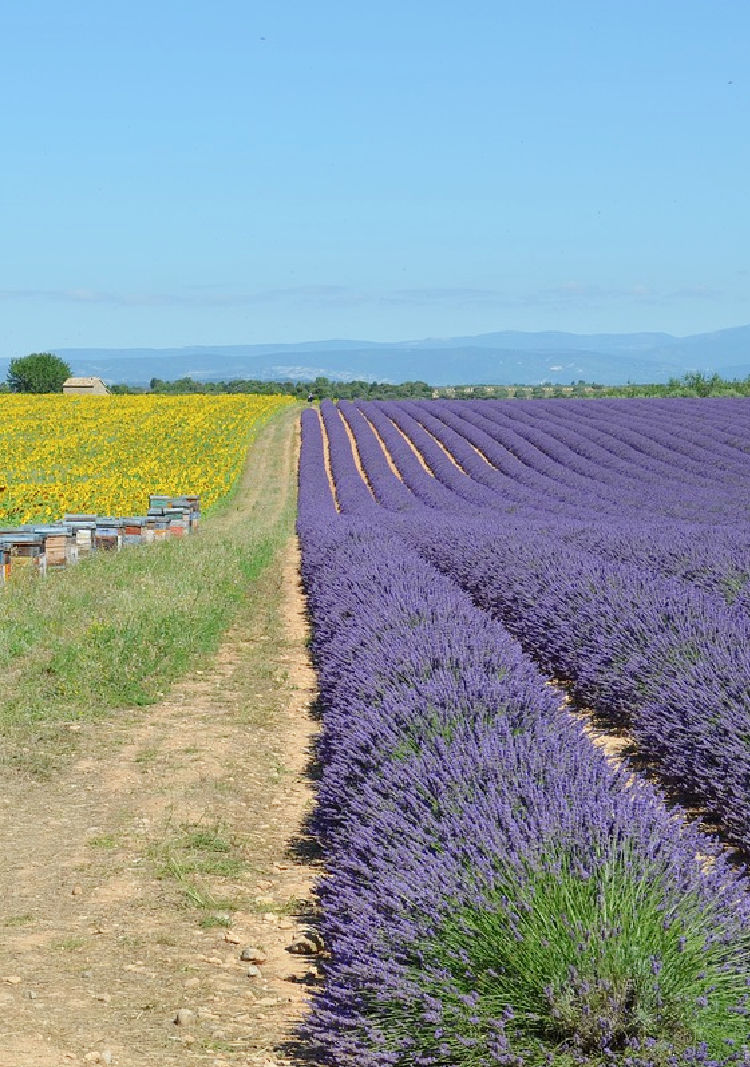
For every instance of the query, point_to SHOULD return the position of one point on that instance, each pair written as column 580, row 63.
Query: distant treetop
column 41, row 372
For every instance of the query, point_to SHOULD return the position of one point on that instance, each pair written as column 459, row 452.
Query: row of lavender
column 656, row 517
column 668, row 655
column 717, row 558
column 685, row 516
column 496, row 892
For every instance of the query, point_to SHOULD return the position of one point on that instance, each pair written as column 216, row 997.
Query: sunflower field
column 105, row 455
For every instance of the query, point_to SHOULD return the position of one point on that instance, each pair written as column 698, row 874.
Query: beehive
column 55, row 540
column 107, row 535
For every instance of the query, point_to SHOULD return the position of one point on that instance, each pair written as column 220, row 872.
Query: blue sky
column 238, row 172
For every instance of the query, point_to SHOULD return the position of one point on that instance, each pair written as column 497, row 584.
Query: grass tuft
column 18, row 920
column 199, row 854
column 105, row 841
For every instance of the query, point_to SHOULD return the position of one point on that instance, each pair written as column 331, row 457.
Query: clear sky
column 240, row 171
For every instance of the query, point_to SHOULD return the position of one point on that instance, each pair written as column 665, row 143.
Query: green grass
column 116, row 630
column 203, row 850
column 293, row 906
column 69, row 944
column 105, row 841
column 206, row 840
column 147, row 754
column 195, row 892
column 18, row 920
column 192, row 859
column 210, row 922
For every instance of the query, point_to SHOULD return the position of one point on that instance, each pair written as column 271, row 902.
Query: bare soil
column 174, row 837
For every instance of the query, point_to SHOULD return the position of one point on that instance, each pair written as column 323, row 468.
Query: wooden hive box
column 26, row 552
column 132, row 530
column 186, row 500
column 179, row 521
column 55, row 541
column 159, row 500
column 84, row 535
column 107, row 535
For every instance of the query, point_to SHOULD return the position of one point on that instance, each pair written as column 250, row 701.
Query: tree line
column 320, row 388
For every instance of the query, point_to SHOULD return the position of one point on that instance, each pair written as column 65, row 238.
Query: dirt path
column 175, row 838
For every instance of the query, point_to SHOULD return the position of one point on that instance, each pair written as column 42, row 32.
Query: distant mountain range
column 504, row 358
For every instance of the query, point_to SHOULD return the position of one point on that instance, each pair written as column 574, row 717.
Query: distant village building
column 85, row 387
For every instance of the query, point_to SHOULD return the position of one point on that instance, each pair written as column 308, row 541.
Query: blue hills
column 503, row 358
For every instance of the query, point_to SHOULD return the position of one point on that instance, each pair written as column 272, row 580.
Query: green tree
column 41, row 372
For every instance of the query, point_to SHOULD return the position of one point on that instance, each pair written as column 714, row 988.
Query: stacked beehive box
column 39, row 548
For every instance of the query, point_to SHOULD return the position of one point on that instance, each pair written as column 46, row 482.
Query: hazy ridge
column 501, row 358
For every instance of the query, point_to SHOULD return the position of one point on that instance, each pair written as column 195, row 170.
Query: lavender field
column 497, row 890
